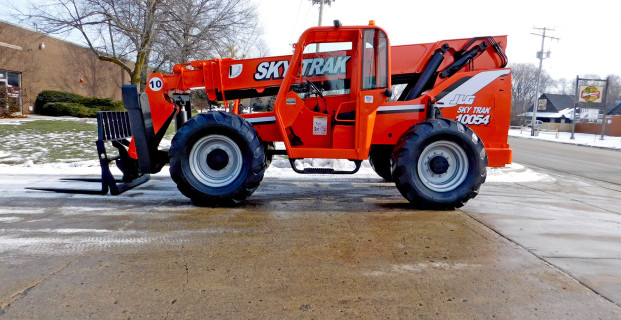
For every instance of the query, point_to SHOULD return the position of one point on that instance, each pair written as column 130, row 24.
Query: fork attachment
column 113, row 127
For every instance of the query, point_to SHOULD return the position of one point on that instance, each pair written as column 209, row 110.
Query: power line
column 295, row 25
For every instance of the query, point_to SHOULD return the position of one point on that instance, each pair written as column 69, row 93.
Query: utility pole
column 321, row 2
column 540, row 55
column 605, row 108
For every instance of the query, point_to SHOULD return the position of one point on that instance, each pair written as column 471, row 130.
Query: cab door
column 374, row 84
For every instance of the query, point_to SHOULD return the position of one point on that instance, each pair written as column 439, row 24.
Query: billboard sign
column 591, row 94
column 589, row 114
column 542, row 104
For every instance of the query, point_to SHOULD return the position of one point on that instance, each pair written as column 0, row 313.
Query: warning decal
column 320, row 126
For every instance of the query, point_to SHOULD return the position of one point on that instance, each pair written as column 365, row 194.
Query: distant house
column 557, row 108
column 616, row 111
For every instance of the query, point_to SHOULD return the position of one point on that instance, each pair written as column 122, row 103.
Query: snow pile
column 584, row 139
column 55, row 151
column 280, row 168
column 515, row 173
column 12, row 122
column 88, row 167
column 36, row 117
column 511, row 173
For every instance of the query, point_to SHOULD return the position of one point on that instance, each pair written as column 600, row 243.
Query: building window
column 10, row 90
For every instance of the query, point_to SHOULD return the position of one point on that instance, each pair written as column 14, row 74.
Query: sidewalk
column 583, row 139
column 36, row 117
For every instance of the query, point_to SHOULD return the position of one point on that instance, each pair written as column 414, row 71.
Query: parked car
column 538, row 123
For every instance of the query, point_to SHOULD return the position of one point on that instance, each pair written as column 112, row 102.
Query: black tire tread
column 411, row 144
column 379, row 158
column 221, row 123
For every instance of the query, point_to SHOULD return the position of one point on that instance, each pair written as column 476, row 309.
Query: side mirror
column 388, row 93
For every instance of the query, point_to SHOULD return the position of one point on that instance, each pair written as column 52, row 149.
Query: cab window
column 374, row 60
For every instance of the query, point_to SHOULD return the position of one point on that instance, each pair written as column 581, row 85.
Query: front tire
column 217, row 159
column 439, row 164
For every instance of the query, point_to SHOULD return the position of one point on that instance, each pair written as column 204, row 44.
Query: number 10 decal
column 155, row 84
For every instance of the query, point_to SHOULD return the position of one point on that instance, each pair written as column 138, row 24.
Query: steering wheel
column 315, row 88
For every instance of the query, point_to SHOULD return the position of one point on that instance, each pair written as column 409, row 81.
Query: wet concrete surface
column 311, row 247
column 590, row 162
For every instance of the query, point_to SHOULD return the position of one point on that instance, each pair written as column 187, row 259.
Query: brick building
column 31, row 62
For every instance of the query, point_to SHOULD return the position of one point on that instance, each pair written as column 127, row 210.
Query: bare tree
column 524, row 82
column 206, row 29
column 142, row 35
column 614, row 89
column 118, row 31
column 564, row 86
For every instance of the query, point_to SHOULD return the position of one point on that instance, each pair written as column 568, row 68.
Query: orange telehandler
column 434, row 139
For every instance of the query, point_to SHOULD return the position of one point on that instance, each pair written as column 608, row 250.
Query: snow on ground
column 511, row 173
column 31, row 151
column 279, row 168
column 64, row 140
column 584, row 139
column 515, row 173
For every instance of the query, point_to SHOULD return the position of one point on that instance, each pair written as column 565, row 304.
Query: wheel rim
column 215, row 160
column 443, row 166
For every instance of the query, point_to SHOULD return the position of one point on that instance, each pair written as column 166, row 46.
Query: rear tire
column 217, row 159
column 379, row 158
column 439, row 164
column 267, row 147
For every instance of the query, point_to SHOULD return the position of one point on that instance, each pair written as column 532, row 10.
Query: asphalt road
column 311, row 247
column 588, row 162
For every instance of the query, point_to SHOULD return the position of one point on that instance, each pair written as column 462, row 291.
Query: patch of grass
column 60, row 126
column 47, row 141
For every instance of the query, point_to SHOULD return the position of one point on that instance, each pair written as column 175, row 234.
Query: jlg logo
column 310, row 67
column 462, row 99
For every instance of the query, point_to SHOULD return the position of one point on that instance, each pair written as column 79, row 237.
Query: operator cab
column 338, row 77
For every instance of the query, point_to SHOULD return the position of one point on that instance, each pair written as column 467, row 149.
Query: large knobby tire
column 439, row 164
column 379, row 158
column 269, row 156
column 217, row 159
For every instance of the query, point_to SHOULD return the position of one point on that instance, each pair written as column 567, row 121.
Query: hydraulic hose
column 430, row 70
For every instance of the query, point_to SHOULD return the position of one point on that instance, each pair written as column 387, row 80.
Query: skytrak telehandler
column 434, row 140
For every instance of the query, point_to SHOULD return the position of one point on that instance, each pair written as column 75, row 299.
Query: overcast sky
column 589, row 31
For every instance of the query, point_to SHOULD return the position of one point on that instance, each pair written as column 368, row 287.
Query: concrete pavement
column 309, row 248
